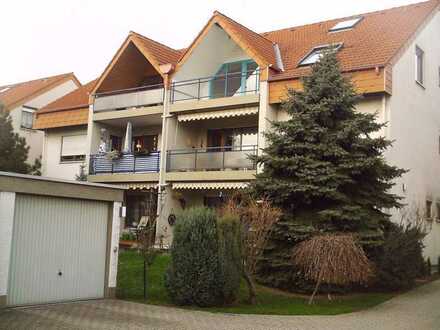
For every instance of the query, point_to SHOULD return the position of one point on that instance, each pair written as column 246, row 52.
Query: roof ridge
column 37, row 79
column 352, row 16
column 216, row 12
column 152, row 40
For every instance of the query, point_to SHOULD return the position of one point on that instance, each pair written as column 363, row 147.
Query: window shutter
column 74, row 145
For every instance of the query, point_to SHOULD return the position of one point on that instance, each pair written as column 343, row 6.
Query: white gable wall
column 415, row 127
column 34, row 138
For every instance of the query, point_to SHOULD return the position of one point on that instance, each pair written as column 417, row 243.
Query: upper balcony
column 218, row 86
column 144, row 96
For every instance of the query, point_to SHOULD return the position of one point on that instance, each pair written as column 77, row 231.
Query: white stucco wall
column 34, row 138
column 415, row 127
column 215, row 49
column 52, row 165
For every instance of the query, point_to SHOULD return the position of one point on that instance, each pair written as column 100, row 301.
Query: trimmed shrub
column 194, row 274
column 230, row 256
column 400, row 261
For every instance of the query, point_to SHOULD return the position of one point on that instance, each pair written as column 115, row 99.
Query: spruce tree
column 13, row 149
column 324, row 167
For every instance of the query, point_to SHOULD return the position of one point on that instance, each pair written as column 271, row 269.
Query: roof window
column 315, row 54
column 4, row 89
column 346, row 25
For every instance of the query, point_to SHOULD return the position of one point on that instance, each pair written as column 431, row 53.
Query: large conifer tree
column 325, row 168
column 13, row 149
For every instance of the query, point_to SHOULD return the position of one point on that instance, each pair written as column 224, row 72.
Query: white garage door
column 58, row 250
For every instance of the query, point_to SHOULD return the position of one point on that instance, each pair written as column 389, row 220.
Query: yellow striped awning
column 139, row 186
column 209, row 185
column 218, row 114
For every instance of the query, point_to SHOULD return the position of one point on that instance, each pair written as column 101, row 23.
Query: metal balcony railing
column 126, row 163
column 128, row 98
column 225, row 85
column 216, row 158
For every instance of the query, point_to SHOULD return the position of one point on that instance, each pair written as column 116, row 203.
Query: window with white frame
column 420, row 59
column 73, row 148
column 346, row 25
column 315, row 54
column 27, row 118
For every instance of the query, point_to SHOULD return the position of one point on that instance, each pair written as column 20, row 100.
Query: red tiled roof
column 372, row 42
column 162, row 53
column 19, row 93
column 79, row 98
column 262, row 45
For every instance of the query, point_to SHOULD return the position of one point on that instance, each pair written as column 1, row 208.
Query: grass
column 272, row 302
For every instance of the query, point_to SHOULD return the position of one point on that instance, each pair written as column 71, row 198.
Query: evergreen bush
column 230, row 256
column 194, row 274
column 399, row 261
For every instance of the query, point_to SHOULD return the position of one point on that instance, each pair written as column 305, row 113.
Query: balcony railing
column 225, row 85
column 129, row 98
column 126, row 163
column 216, row 158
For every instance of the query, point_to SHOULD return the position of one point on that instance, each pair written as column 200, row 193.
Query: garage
column 58, row 240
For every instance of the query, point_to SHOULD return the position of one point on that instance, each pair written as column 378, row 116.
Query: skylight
column 346, row 25
column 315, row 54
column 4, row 89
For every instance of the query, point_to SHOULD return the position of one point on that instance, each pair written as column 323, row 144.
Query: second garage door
column 58, row 250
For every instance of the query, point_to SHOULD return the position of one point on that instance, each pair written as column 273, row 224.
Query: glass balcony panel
column 144, row 96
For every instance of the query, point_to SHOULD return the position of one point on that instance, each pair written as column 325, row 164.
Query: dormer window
column 346, row 25
column 315, row 54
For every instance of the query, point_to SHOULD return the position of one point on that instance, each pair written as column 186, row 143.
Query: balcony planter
column 113, row 155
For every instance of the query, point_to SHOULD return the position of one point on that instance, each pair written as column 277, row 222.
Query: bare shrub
column 257, row 219
column 332, row 259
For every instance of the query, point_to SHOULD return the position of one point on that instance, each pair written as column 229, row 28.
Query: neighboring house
column 194, row 115
column 64, row 123
column 21, row 100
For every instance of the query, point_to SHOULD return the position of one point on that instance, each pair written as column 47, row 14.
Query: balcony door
column 232, row 138
column 144, row 143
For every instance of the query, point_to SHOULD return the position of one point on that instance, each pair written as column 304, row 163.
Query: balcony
column 129, row 98
column 126, row 163
column 211, row 159
column 224, row 85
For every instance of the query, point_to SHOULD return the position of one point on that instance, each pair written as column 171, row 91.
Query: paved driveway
column 416, row 310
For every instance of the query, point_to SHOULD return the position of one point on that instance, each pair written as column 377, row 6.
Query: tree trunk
column 318, row 283
column 251, row 286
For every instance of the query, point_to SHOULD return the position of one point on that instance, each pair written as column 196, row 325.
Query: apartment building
column 176, row 127
column 64, row 124
column 22, row 100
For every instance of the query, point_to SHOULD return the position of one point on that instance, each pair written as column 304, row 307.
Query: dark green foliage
column 230, row 256
column 194, row 273
column 399, row 260
column 13, row 149
column 325, row 169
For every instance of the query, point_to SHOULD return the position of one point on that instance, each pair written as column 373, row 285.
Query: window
column 428, row 212
column 232, row 78
column 233, row 138
column 315, row 54
column 73, row 148
column 144, row 144
column 4, row 89
column 115, row 143
column 27, row 118
column 346, row 25
column 437, row 206
column 420, row 54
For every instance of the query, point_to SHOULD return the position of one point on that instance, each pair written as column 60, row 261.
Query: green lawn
column 130, row 287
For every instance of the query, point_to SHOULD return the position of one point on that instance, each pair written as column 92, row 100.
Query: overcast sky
column 48, row 37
